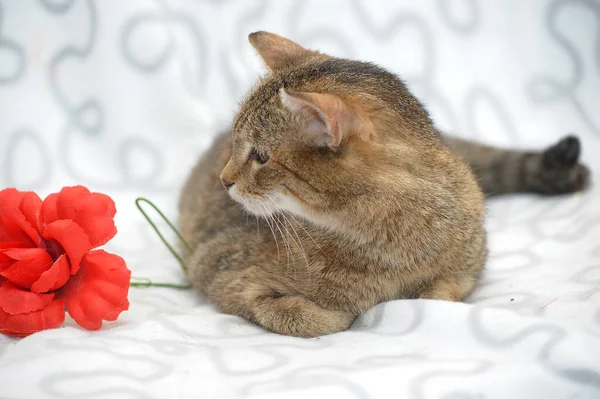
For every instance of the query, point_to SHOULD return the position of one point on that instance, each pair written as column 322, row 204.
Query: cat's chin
column 256, row 207
column 288, row 203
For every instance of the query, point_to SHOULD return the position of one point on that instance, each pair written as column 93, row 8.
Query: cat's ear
column 277, row 51
column 328, row 119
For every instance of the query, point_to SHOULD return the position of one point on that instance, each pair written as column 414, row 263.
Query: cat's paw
column 559, row 171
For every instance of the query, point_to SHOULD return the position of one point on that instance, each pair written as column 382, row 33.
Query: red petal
column 11, row 197
column 21, row 325
column 48, row 214
column 95, row 213
column 99, row 291
column 5, row 262
column 53, row 278
column 96, row 218
column 10, row 245
column 26, row 267
column 14, row 300
column 29, row 203
column 14, row 227
column 30, row 206
column 114, row 315
column 72, row 238
column 70, row 200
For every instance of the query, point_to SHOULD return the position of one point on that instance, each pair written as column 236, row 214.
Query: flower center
column 53, row 248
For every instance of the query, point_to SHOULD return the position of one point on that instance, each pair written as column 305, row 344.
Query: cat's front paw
column 559, row 171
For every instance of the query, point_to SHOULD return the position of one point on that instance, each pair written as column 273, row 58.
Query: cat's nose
column 226, row 183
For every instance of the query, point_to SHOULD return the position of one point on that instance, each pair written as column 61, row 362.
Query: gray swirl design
column 527, row 259
column 577, row 228
column 89, row 115
column 466, row 26
column 372, row 321
column 134, row 24
column 249, row 17
column 168, row 20
column 592, row 284
column 547, row 89
column 417, row 386
column 479, row 96
column 277, row 361
column 315, row 35
column 514, row 300
column 309, row 378
column 422, row 84
column 53, row 387
column 57, row 383
column 9, row 46
column 125, row 154
column 399, row 21
column 233, row 83
column 461, row 395
column 127, row 150
column 35, row 150
column 200, row 44
column 175, row 327
column 555, row 335
column 57, row 7
column 595, row 251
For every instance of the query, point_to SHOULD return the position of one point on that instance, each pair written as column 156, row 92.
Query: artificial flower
column 48, row 261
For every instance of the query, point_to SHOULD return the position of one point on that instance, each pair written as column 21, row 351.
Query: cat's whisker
column 297, row 223
column 272, row 222
column 302, row 250
column 273, row 226
column 289, row 237
column 286, row 241
column 272, row 216
column 307, row 233
column 257, row 229
column 299, row 243
column 272, row 232
column 287, row 221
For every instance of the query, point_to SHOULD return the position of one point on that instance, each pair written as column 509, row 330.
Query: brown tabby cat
column 365, row 200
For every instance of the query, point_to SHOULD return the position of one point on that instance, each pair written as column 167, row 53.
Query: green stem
column 166, row 285
column 162, row 238
column 144, row 282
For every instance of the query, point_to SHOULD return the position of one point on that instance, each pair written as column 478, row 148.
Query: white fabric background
column 122, row 96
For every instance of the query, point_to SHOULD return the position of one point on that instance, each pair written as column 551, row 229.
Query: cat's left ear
column 278, row 52
column 327, row 118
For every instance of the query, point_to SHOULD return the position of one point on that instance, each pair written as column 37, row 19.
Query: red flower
column 47, row 261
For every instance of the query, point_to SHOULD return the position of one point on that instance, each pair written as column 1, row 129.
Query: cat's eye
column 260, row 157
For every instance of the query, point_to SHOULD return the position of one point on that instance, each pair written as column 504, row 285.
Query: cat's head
column 318, row 132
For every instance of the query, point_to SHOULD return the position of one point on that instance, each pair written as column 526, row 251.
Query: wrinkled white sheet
column 123, row 96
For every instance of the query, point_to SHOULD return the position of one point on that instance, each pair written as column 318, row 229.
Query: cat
column 365, row 199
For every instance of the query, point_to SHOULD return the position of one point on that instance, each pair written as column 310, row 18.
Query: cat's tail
column 555, row 170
